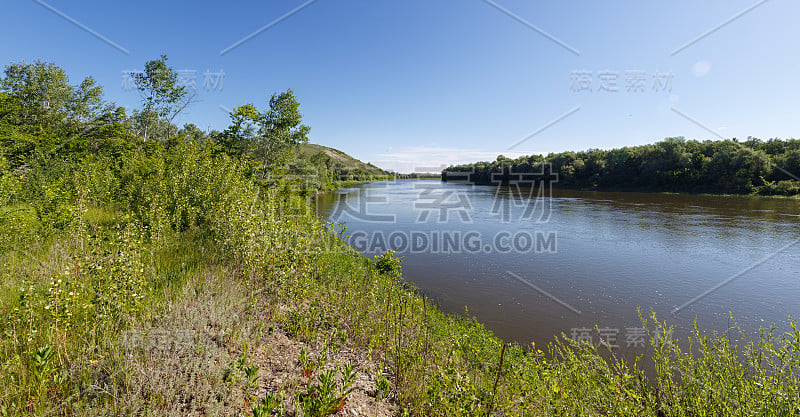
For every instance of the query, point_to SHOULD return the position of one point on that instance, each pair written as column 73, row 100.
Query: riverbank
column 654, row 191
column 346, row 184
column 690, row 193
column 190, row 291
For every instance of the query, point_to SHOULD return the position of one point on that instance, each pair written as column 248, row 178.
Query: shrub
column 388, row 264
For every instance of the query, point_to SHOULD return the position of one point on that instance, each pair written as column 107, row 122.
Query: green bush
column 388, row 264
column 785, row 187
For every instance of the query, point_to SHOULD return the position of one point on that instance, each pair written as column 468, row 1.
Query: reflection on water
column 613, row 252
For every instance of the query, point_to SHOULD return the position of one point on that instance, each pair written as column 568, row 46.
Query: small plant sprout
column 270, row 405
column 381, row 386
column 348, row 379
column 41, row 362
column 306, row 363
column 251, row 371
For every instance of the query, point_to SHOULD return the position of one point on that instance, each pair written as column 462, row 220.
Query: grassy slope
column 308, row 150
column 144, row 303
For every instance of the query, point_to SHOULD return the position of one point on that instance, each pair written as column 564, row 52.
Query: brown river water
column 578, row 262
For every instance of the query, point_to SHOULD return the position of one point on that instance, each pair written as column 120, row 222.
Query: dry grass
column 183, row 363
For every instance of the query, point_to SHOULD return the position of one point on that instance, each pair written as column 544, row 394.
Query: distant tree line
column 414, row 175
column 673, row 165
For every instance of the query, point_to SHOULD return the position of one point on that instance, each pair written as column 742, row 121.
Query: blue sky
column 405, row 84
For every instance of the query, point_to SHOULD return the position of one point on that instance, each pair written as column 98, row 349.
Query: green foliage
column 388, row 264
column 38, row 98
column 271, row 137
column 21, row 227
column 282, row 131
column 40, row 91
column 17, row 146
column 382, row 386
column 163, row 98
column 323, row 395
column 241, row 136
column 9, row 183
column 191, row 133
column 328, row 168
column 675, row 164
column 41, row 362
column 270, row 405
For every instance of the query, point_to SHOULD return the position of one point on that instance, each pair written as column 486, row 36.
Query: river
column 533, row 266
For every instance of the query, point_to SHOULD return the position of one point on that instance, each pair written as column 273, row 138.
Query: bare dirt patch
column 214, row 351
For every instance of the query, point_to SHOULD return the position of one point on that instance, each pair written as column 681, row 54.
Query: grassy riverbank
column 163, row 281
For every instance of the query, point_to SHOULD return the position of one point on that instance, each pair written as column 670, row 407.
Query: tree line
column 673, row 165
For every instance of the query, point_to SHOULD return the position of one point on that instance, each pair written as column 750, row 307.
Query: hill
column 337, row 160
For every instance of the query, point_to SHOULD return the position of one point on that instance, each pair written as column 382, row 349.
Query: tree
column 272, row 136
column 147, row 124
column 240, row 136
column 41, row 92
column 190, row 132
column 38, row 98
column 162, row 96
column 86, row 103
column 281, row 132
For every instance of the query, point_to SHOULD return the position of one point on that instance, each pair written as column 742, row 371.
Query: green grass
column 185, row 241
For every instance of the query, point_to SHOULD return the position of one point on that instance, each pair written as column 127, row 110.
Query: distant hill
column 337, row 159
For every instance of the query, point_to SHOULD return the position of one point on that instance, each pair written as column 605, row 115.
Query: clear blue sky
column 421, row 83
